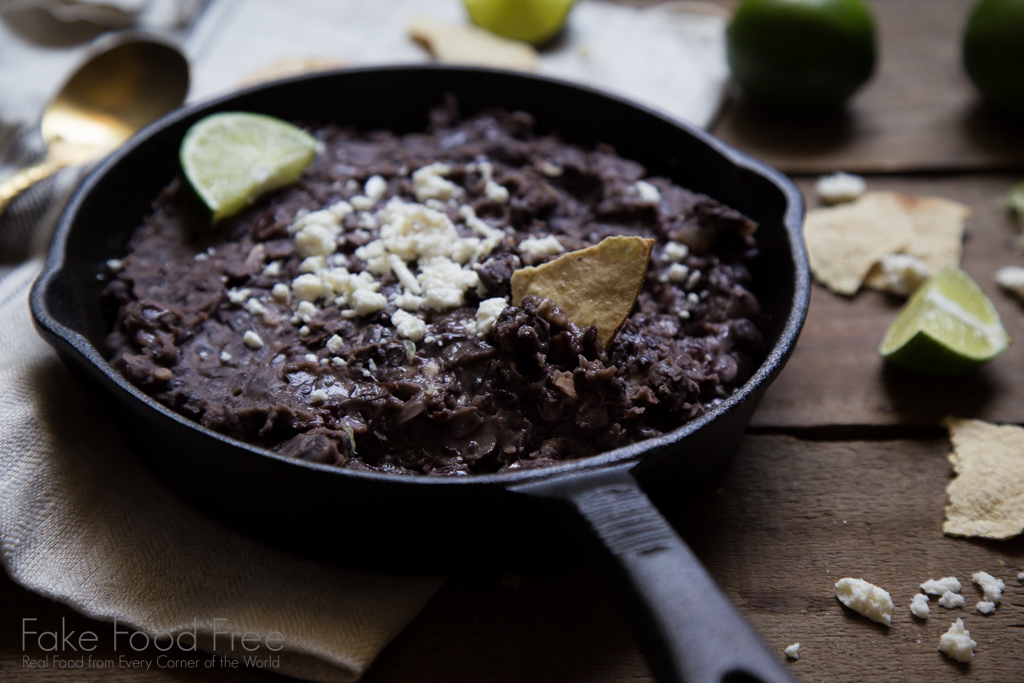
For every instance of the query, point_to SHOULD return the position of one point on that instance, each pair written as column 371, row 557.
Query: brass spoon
column 114, row 94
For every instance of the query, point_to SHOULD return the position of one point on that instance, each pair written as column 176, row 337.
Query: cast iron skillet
column 408, row 523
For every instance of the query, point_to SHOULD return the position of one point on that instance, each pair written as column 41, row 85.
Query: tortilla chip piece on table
column 469, row 44
column 986, row 498
column 938, row 234
column 846, row 243
column 594, row 286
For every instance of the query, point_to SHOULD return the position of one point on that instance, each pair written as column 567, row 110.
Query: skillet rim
column 65, row 338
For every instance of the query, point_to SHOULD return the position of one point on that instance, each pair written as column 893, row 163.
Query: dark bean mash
column 533, row 390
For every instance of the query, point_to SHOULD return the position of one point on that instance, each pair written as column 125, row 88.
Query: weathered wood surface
column 777, row 529
column 836, row 377
column 918, row 112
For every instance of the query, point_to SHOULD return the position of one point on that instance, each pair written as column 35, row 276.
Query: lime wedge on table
column 947, row 327
column 533, row 21
column 232, row 158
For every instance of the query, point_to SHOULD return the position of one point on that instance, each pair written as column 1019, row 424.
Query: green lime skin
column 993, row 53
column 801, row 55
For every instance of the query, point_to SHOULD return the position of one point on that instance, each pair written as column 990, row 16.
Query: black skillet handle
column 692, row 632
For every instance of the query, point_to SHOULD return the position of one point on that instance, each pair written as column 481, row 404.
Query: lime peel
column 948, row 327
column 230, row 159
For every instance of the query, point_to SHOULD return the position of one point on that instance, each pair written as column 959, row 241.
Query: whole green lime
column 993, row 52
column 801, row 55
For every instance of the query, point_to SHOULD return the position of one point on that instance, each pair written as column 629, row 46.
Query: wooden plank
column 919, row 111
column 785, row 520
column 836, row 377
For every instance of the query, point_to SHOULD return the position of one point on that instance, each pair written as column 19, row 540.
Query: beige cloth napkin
column 82, row 522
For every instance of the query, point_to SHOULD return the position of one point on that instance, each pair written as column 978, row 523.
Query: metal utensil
column 128, row 82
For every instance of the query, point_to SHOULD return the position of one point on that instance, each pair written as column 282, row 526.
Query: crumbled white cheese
column 903, row 273
column 225, row 357
column 115, row 265
column 310, row 358
column 335, row 344
column 317, row 396
column 1011, row 279
column 308, row 287
column 487, row 314
column 550, row 170
column 252, row 340
column 951, row 600
column 338, row 362
column 495, row 192
column 986, row 607
column 541, row 246
column 839, row 187
column 238, row 296
column 255, row 307
column 793, row 651
column 1020, row 577
column 677, row 272
column 272, row 269
column 304, row 331
column 367, row 221
column 445, row 283
column 361, row 203
column 365, row 301
column 957, row 643
column 313, row 264
column 408, row 325
column 648, row 193
column 919, row 606
column 693, row 280
column 304, row 312
column 429, row 182
column 992, row 586
column 866, row 599
column 675, row 251
column 316, row 239
column 940, row 586
column 375, row 187
column 280, row 291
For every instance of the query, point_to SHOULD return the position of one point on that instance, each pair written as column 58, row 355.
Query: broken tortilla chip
column 594, row 286
column 986, row 498
column 938, row 235
column 845, row 241
column 468, row 44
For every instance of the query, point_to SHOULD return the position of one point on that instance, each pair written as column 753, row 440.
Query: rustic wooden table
column 843, row 471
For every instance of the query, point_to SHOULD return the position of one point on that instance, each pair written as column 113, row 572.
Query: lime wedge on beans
column 231, row 158
column 947, row 327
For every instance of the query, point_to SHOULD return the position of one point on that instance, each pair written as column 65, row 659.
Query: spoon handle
column 14, row 185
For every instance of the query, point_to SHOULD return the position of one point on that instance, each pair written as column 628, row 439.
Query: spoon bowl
column 127, row 83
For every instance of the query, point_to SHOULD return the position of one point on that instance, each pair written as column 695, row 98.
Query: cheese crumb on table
column 793, row 651
column 919, row 606
column 940, row 586
column 839, row 187
column 956, row 642
column 903, row 273
column 992, row 586
column 866, row 599
column 986, row 607
column 1011, row 279
column 951, row 600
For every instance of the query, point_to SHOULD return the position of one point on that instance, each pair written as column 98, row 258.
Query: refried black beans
column 361, row 317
